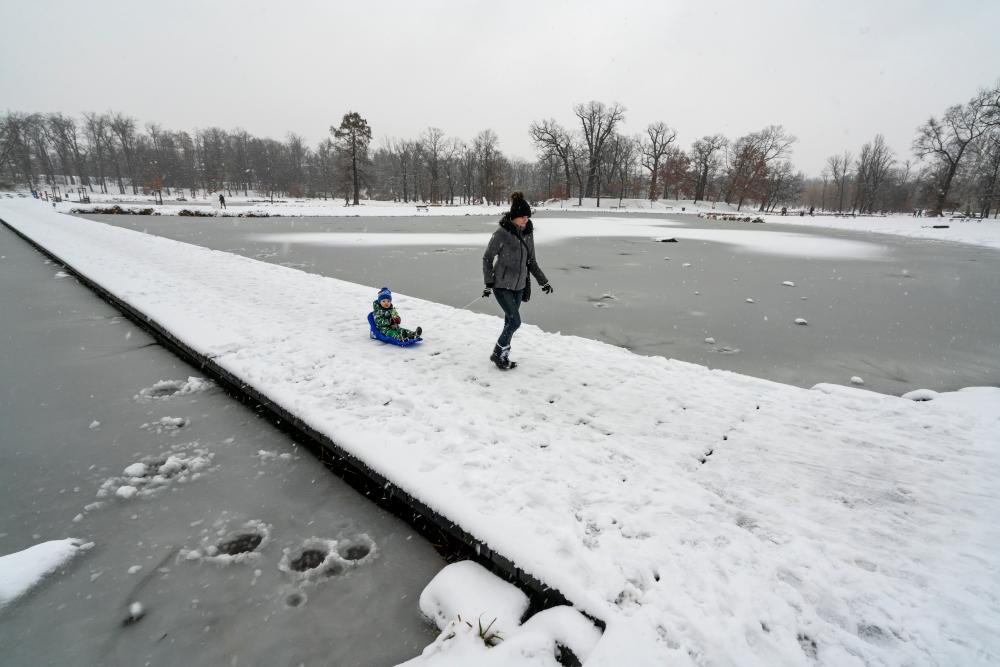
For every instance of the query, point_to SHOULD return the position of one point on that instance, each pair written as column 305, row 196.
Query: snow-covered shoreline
column 705, row 516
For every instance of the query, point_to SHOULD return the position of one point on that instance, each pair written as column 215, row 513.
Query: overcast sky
column 833, row 73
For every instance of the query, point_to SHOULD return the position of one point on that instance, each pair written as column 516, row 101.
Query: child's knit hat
column 384, row 293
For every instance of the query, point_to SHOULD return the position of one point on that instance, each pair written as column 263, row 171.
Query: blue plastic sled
column 378, row 335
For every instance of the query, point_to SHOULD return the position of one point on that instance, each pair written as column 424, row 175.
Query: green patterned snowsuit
column 383, row 322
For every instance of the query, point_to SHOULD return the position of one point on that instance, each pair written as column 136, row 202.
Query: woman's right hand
column 487, row 292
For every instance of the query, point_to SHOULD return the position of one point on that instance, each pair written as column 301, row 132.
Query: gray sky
column 833, row 73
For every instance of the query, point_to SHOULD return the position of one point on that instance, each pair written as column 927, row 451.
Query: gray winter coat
column 510, row 256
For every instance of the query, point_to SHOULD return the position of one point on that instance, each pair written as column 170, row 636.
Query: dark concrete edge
column 372, row 484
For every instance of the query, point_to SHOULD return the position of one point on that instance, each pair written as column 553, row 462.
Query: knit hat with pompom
column 518, row 206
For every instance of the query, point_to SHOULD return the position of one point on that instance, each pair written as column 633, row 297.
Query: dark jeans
column 510, row 301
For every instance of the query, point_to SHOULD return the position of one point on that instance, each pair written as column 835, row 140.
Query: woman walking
column 508, row 259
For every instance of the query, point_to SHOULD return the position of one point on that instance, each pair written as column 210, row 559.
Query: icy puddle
column 209, row 537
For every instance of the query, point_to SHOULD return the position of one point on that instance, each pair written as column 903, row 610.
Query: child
column 387, row 319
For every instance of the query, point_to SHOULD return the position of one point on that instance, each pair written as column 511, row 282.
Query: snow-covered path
column 707, row 517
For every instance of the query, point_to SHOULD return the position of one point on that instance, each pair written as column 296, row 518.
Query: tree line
column 955, row 163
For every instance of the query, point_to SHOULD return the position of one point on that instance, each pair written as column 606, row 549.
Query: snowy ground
column 706, row 517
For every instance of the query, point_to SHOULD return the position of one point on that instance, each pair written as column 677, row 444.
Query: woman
column 509, row 258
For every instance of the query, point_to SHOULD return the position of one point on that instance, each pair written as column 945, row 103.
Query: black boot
column 419, row 331
column 499, row 357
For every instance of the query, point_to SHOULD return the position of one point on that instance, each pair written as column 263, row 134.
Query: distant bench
column 422, row 207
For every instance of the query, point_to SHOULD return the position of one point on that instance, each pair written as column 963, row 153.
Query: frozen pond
column 900, row 313
column 83, row 400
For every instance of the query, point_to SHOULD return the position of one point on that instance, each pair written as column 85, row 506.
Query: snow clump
column 479, row 616
column 166, row 388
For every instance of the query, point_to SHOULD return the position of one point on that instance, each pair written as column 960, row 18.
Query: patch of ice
column 710, row 340
column 788, row 283
column 94, row 424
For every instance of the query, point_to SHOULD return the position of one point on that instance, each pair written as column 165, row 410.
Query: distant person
column 387, row 320
column 784, row 210
column 508, row 259
column 222, row 200
column 812, row 209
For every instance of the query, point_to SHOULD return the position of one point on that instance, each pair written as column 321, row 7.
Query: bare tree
column 66, row 138
column 552, row 139
column 654, row 147
column 872, row 167
column 675, row 171
column 38, row 139
column 123, row 129
column 451, row 154
column 986, row 176
column 97, row 137
column 578, row 159
column 489, row 162
column 238, row 159
column 298, row 156
column 839, row 167
column 945, row 142
column 781, row 185
column 597, row 122
column 752, row 155
column 432, row 143
column 705, row 159
column 625, row 156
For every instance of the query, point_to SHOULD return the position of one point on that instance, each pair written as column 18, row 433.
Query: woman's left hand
column 547, row 288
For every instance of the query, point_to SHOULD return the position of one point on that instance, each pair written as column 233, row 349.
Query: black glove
column 487, row 292
column 547, row 288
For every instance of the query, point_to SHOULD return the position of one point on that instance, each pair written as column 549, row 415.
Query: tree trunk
column 569, row 189
column 699, row 192
column 942, row 195
column 652, row 179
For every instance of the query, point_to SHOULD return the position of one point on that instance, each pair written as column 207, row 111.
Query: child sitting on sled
column 387, row 320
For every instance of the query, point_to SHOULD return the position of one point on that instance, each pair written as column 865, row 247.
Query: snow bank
column 479, row 618
column 969, row 230
column 21, row 571
column 705, row 516
column 468, row 590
